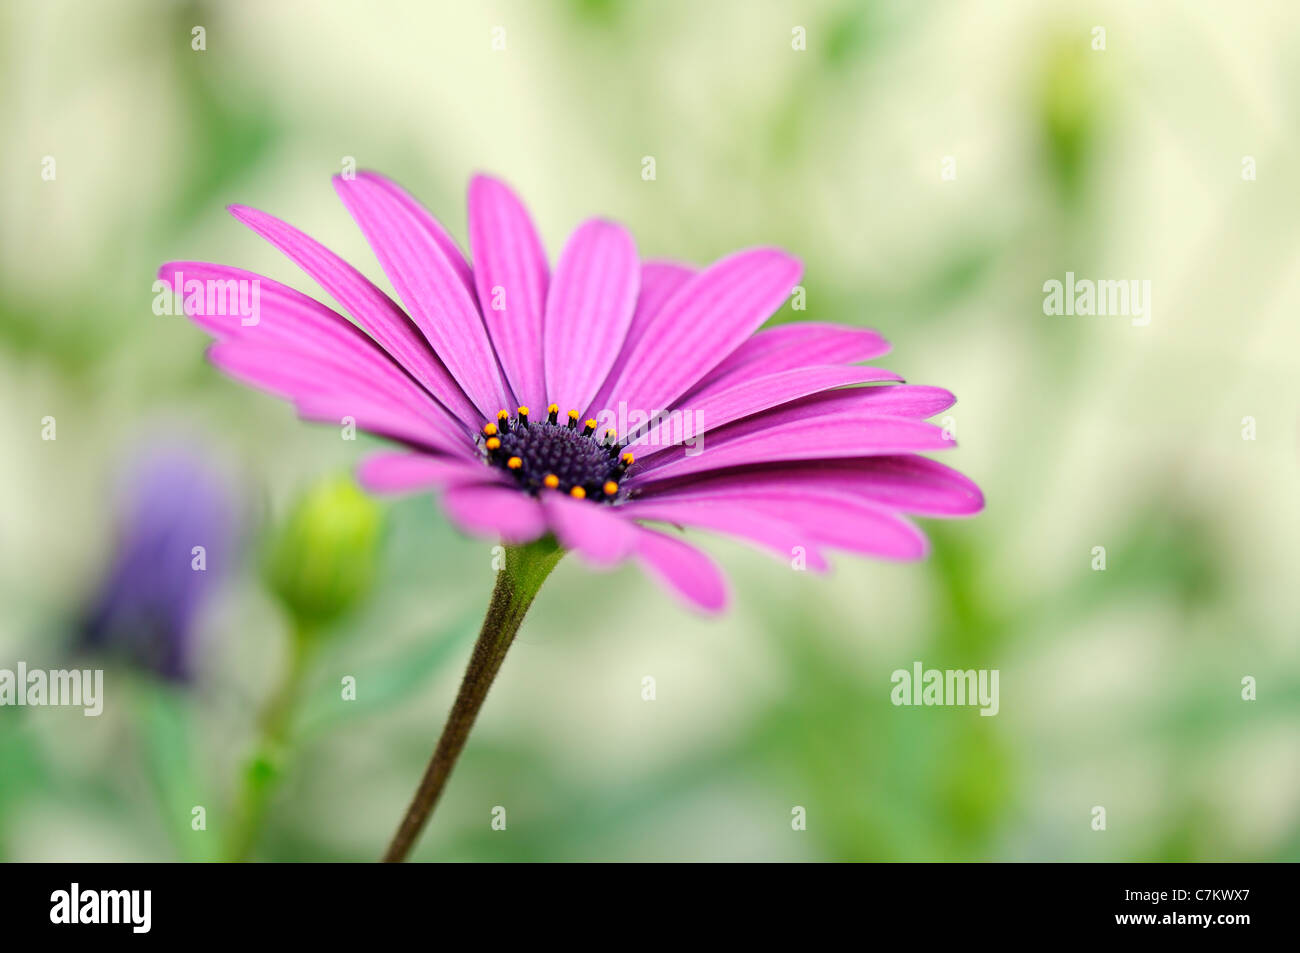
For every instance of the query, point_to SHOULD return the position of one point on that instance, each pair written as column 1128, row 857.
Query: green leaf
column 165, row 725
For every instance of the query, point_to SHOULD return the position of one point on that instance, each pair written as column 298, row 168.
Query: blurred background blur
column 1120, row 688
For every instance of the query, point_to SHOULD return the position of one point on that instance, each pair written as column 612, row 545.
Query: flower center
column 556, row 455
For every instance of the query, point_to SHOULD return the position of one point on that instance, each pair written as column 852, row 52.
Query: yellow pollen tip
column 490, row 429
column 610, row 488
column 628, row 459
column 590, row 423
column 503, row 415
column 578, row 493
column 553, row 409
column 494, row 443
column 573, row 414
column 514, row 463
column 523, row 411
column 551, row 481
column 612, row 434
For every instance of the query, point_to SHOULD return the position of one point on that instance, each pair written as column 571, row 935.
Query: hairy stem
column 526, row 568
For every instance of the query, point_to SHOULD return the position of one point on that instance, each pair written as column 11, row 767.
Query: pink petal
column 594, row 531
column 707, row 319
column 731, row 519
column 820, row 438
column 436, row 296
column 389, row 472
column 432, row 227
column 372, row 418
column 837, row 520
column 327, row 391
column 909, row 400
column 852, row 403
column 495, row 511
column 509, row 260
column 300, row 349
column 373, row 310
column 660, row 280
column 794, row 345
column 287, row 318
column 896, row 400
column 296, row 374
column 757, row 394
column 588, row 310
column 290, row 321
column 909, row 483
column 684, row 569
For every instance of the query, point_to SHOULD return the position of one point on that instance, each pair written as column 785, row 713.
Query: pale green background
column 1119, row 689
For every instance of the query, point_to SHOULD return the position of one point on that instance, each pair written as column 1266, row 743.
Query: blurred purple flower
column 176, row 539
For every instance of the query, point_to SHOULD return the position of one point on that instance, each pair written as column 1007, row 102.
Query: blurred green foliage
column 1120, row 687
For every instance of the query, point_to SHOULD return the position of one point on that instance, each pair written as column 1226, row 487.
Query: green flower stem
column 266, row 767
column 526, row 568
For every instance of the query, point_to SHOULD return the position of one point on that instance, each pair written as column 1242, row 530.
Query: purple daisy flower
column 588, row 401
column 619, row 373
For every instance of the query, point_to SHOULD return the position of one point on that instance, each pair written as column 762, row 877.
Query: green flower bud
column 322, row 562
